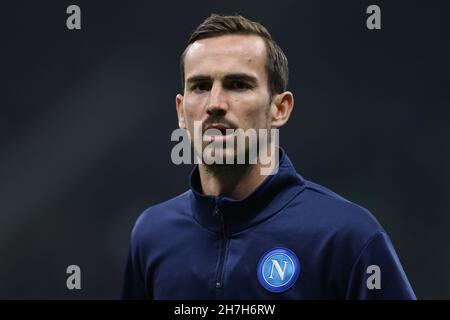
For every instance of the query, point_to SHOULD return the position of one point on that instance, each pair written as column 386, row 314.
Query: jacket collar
column 225, row 215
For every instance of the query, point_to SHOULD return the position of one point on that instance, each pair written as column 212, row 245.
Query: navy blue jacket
column 289, row 239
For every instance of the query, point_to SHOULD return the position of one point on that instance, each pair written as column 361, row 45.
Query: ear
column 180, row 111
column 281, row 108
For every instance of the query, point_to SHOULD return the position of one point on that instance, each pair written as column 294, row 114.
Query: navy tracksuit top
column 289, row 239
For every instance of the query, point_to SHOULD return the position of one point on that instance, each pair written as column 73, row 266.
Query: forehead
column 226, row 54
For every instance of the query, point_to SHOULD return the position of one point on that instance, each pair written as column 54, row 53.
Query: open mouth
column 223, row 131
column 217, row 132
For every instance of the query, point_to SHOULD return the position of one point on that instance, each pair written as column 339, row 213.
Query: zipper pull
column 217, row 207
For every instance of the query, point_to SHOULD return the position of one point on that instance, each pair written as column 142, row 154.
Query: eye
column 239, row 85
column 201, row 86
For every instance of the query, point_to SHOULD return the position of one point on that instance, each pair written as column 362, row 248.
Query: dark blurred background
column 86, row 117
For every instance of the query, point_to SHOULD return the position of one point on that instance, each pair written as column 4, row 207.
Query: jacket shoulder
column 338, row 212
column 156, row 217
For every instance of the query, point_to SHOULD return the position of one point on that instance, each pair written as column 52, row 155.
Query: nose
column 217, row 104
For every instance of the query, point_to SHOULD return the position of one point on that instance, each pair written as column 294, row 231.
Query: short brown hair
column 217, row 25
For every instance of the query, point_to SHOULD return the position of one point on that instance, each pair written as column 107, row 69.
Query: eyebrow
column 228, row 77
column 241, row 77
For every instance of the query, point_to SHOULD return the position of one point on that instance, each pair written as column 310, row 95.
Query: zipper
column 223, row 248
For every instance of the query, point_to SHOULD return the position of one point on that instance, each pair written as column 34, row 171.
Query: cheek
column 192, row 112
column 256, row 113
column 193, row 109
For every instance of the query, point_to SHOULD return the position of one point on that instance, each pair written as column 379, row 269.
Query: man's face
column 226, row 85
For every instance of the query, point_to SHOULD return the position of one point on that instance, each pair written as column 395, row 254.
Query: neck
column 233, row 181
